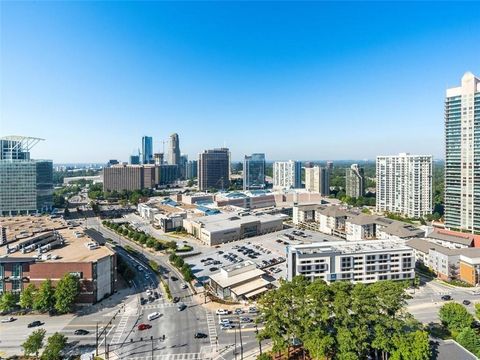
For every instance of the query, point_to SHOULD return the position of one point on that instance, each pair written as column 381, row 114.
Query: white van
column 153, row 316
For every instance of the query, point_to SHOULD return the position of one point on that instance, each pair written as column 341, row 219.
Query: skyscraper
column 254, row 172
column 354, row 181
column 26, row 185
column 147, row 150
column 214, row 169
column 158, row 157
column 287, row 174
column 317, row 179
column 191, row 170
column 174, row 153
column 134, row 160
column 404, row 184
column 462, row 155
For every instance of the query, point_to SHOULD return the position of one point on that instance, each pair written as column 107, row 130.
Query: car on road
column 466, row 302
column 212, row 269
column 173, row 278
column 176, row 299
column 446, row 297
column 80, row 332
column 144, row 327
column 200, row 335
column 184, row 286
column 476, row 292
column 153, row 316
column 35, row 324
column 181, row 307
column 222, row 312
column 8, row 319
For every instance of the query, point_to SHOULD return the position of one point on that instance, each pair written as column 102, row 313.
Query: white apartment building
column 462, row 155
column 317, row 179
column 404, row 184
column 363, row 261
column 287, row 174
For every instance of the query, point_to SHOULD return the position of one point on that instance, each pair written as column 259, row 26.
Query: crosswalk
column 212, row 328
column 120, row 328
column 164, row 305
column 184, row 356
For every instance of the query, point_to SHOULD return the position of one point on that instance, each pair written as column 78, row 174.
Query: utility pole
column 96, row 340
column 259, row 341
column 151, row 338
column 240, row 333
column 235, row 346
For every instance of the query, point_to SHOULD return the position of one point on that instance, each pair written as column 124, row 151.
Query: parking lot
column 268, row 252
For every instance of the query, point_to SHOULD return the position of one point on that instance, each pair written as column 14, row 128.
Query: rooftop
column 232, row 220
column 454, row 236
column 350, row 247
column 22, row 229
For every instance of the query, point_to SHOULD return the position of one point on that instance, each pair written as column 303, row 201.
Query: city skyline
column 67, row 66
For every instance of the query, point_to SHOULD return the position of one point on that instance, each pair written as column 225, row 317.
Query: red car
column 144, row 326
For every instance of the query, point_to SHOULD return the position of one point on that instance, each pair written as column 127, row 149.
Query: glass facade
column 254, row 172
column 147, row 150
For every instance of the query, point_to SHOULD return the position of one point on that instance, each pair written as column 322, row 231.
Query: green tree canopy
column 455, row 316
column 55, row 345
column 66, row 292
column 468, row 338
column 45, row 297
column 34, row 343
column 27, row 297
column 8, row 300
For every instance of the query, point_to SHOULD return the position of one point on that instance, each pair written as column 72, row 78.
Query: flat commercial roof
column 350, row 247
column 231, row 221
column 230, row 281
column 249, row 287
column 23, row 228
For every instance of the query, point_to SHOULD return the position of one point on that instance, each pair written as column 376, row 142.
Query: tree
column 469, row 340
column 264, row 356
column 27, row 297
column 455, row 316
column 45, row 297
column 412, row 346
column 55, row 345
column 477, row 310
column 34, row 343
column 8, row 300
column 66, row 292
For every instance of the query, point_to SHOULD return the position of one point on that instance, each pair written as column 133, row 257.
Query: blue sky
column 294, row 80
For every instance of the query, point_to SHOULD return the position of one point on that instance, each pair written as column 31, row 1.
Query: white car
column 184, row 286
column 224, row 322
column 8, row 319
column 149, row 292
column 221, row 312
column 226, row 327
column 153, row 316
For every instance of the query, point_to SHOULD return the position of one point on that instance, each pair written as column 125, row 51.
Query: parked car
column 144, row 327
column 238, row 311
column 466, row 302
column 81, row 332
column 181, row 307
column 200, row 335
column 143, row 301
column 213, row 268
column 34, row 324
column 252, row 310
column 156, row 295
column 245, row 320
column 176, row 299
column 8, row 319
column 226, row 327
column 224, row 322
column 153, row 316
column 222, row 312
column 184, row 286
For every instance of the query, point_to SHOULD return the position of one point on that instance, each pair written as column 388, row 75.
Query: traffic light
column 163, row 337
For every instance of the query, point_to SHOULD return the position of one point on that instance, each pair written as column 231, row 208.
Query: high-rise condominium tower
column 404, row 184
column 147, row 150
column 354, row 181
column 462, row 155
column 174, row 153
column 317, row 179
column 287, row 174
column 214, row 169
column 254, row 172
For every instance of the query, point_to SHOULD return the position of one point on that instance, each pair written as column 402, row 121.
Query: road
column 178, row 327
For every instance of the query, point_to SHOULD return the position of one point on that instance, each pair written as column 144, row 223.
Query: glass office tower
column 147, row 150
column 254, row 172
